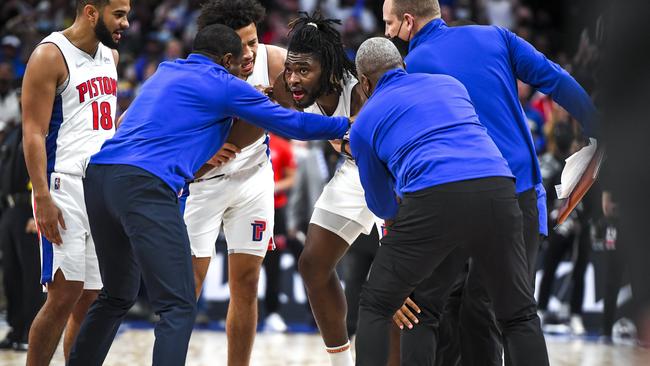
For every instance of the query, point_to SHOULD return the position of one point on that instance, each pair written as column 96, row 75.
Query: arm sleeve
column 532, row 67
column 376, row 180
column 248, row 104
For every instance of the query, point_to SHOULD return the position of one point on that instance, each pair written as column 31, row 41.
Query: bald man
column 456, row 191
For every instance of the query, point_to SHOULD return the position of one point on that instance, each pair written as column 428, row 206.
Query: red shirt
column 281, row 159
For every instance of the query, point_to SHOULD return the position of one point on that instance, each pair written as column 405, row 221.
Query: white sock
column 341, row 355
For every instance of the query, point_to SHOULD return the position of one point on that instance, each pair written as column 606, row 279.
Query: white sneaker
column 577, row 327
column 275, row 324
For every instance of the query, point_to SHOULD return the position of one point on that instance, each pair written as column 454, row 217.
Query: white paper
column 575, row 167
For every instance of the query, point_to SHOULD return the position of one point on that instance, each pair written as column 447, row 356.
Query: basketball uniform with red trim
column 237, row 195
column 82, row 119
column 341, row 208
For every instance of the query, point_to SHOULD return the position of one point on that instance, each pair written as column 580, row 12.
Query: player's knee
column 62, row 302
column 243, row 286
column 88, row 297
column 304, row 267
column 312, row 269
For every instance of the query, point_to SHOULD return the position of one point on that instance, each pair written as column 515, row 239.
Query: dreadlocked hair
column 317, row 35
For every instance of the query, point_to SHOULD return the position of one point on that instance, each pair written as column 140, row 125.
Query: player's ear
column 91, row 13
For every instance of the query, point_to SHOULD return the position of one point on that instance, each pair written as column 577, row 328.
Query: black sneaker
column 6, row 344
column 20, row 346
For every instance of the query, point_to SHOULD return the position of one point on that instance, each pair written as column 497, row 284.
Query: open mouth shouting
column 298, row 94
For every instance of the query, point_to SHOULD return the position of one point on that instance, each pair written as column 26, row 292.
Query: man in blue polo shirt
column 180, row 119
column 488, row 60
column 456, row 190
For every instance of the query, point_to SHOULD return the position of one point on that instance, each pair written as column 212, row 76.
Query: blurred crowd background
column 579, row 267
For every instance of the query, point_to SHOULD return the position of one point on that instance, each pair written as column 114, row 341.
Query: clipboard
column 587, row 179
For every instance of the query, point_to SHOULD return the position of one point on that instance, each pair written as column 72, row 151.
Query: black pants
column 22, row 270
column 615, row 264
column 483, row 218
column 356, row 266
column 480, row 337
column 448, row 340
column 558, row 245
column 423, row 344
column 138, row 231
column 272, row 263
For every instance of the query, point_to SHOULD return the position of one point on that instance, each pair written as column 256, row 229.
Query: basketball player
column 319, row 77
column 237, row 193
column 69, row 100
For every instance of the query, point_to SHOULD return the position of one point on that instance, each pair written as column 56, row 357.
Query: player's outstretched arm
column 250, row 105
column 45, row 70
column 243, row 134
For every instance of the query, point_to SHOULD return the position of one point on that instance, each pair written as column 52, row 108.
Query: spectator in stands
column 9, row 100
column 11, row 53
column 535, row 119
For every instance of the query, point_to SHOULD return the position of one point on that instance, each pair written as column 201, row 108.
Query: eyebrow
column 288, row 61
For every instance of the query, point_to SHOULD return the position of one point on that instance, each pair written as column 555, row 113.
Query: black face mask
column 402, row 45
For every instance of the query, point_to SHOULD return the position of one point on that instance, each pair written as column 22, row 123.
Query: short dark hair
column 316, row 35
column 217, row 40
column 236, row 14
column 96, row 3
column 418, row 8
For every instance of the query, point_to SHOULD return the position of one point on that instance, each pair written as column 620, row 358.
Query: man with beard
column 320, row 79
column 235, row 188
column 69, row 100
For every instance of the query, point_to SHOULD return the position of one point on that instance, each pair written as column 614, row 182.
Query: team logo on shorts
column 259, row 226
column 57, row 183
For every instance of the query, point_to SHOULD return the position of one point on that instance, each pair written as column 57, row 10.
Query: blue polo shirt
column 488, row 60
column 183, row 115
column 429, row 135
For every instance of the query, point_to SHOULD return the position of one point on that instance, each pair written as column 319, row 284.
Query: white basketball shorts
column 242, row 202
column 342, row 208
column 76, row 256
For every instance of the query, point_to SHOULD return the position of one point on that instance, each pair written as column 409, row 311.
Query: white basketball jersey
column 343, row 109
column 257, row 152
column 83, row 116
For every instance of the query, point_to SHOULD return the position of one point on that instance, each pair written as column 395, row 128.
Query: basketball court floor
column 134, row 342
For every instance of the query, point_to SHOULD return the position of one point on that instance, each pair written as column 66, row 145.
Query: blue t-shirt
column 418, row 131
column 183, row 115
